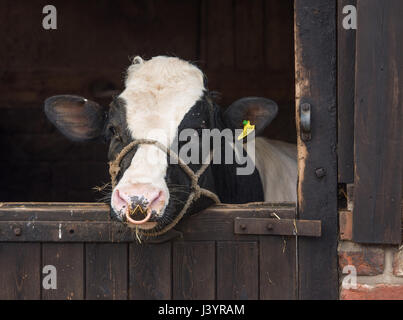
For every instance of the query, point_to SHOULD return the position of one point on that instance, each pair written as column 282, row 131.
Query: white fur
column 158, row 94
column 276, row 162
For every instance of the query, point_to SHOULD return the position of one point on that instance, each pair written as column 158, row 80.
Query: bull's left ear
column 258, row 111
column 77, row 118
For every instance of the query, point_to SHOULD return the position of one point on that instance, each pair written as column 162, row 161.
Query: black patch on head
column 221, row 179
column 116, row 131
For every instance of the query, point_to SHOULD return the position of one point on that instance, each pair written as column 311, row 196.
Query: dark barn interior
column 245, row 47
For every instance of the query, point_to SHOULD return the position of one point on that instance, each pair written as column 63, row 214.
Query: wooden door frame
column 315, row 82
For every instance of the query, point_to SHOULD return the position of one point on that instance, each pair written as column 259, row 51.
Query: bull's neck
column 234, row 187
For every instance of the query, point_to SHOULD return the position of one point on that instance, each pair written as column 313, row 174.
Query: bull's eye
column 112, row 130
column 114, row 133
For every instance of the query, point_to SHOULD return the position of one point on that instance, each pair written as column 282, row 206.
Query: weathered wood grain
column 215, row 223
column 315, row 69
column 277, row 268
column 279, row 227
column 20, row 271
column 345, row 96
column 346, row 225
column 53, row 211
column 68, row 259
column 173, row 266
column 193, row 270
column 106, row 271
column 150, row 271
column 237, row 270
column 378, row 131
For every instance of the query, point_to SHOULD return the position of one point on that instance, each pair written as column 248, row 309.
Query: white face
column 158, row 94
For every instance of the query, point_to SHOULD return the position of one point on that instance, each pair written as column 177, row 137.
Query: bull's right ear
column 77, row 118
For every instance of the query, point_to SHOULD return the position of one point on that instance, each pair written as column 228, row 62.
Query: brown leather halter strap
column 196, row 193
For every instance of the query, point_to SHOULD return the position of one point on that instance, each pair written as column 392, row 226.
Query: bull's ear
column 77, row 118
column 258, row 111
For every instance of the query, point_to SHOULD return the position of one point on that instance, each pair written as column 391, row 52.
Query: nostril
column 119, row 201
column 118, row 195
column 138, row 202
column 157, row 199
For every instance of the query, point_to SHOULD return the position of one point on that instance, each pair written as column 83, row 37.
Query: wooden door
column 370, row 140
column 315, row 82
column 226, row 252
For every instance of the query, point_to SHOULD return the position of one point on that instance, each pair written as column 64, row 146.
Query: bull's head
column 162, row 97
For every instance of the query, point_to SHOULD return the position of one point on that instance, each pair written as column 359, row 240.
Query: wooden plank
column 378, row 122
column 53, row 211
column 350, row 196
column 50, row 231
column 150, row 271
column 43, row 231
column 106, row 271
column 283, row 227
column 249, row 34
column 345, row 95
column 93, row 211
column 65, row 231
column 216, row 223
column 237, row 270
column 68, row 258
column 277, row 267
column 20, row 271
column 346, row 225
column 194, row 270
column 315, row 70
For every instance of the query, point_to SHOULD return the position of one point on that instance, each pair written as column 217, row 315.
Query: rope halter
column 196, row 193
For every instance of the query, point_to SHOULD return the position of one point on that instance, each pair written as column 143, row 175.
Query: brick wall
column 367, row 271
column 379, row 271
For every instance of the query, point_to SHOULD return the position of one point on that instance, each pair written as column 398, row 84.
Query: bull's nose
column 138, row 202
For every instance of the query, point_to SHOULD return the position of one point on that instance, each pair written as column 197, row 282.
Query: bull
column 163, row 97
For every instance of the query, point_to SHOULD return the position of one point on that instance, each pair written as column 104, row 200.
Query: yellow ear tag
column 247, row 128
